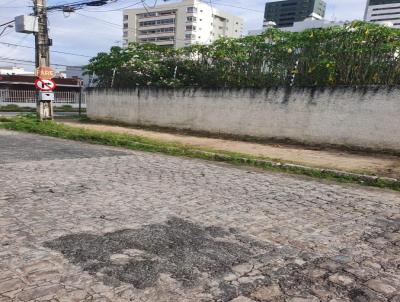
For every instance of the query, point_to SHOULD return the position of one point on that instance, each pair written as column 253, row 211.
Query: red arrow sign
column 45, row 85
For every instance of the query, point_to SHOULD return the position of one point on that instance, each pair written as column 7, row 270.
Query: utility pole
column 42, row 57
column 42, row 36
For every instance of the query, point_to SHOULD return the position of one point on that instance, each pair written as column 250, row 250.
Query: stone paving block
column 242, row 299
column 38, row 292
column 381, row 286
column 267, row 293
column 83, row 221
column 10, row 285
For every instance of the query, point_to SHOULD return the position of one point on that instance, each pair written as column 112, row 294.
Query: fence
column 27, row 98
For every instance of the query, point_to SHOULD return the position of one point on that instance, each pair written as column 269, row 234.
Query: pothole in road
column 180, row 248
column 227, row 264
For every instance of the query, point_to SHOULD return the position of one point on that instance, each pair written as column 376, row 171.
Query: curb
column 336, row 175
column 300, row 169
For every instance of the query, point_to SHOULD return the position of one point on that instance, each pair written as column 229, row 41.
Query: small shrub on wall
column 358, row 53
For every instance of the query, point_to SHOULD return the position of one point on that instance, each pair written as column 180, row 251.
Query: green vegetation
column 358, row 53
column 16, row 108
column 50, row 128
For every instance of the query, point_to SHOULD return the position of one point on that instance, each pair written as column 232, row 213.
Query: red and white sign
column 44, row 72
column 45, row 85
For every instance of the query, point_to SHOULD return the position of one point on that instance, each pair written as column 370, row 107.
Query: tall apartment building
column 286, row 12
column 383, row 11
column 179, row 24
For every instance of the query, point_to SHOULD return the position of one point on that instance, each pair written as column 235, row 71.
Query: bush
column 358, row 53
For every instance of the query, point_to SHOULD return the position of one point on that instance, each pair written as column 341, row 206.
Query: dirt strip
column 379, row 164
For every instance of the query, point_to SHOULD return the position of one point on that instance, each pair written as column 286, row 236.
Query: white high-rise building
column 179, row 24
column 383, row 11
column 308, row 23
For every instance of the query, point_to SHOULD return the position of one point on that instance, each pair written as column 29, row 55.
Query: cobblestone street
column 83, row 222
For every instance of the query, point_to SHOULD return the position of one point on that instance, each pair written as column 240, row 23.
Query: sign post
column 45, row 85
column 45, row 73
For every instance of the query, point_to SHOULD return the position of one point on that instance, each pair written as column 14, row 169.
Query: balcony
column 158, row 39
column 152, row 15
column 150, row 24
column 157, row 35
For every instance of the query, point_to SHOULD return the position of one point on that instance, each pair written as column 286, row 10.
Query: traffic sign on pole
column 45, row 85
column 45, row 73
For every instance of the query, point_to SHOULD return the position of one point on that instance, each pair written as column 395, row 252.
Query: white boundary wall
column 355, row 117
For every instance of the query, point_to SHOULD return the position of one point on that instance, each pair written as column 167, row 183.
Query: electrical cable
column 55, row 51
column 129, row 29
column 113, row 10
column 20, row 61
column 9, row 22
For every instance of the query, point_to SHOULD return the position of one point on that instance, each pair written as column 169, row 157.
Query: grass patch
column 16, row 108
column 51, row 128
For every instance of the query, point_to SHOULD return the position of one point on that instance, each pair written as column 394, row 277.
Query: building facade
column 301, row 26
column 77, row 72
column 286, row 12
column 179, row 24
column 383, row 11
column 12, row 70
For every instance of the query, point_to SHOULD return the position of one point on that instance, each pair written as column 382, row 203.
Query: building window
column 125, row 34
column 189, row 36
column 167, row 12
column 149, row 14
column 191, row 19
column 191, row 10
column 157, row 31
column 157, row 22
column 190, row 27
column 158, row 39
column 125, row 25
column 125, row 17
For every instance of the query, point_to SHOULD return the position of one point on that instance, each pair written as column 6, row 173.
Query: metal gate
column 28, row 98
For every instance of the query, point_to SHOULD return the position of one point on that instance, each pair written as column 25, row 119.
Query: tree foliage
column 358, row 53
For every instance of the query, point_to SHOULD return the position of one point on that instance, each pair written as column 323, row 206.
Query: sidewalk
column 375, row 164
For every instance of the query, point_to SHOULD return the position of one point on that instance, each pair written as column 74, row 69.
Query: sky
column 93, row 30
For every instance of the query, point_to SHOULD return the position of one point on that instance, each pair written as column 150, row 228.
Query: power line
column 100, row 20
column 217, row 2
column 14, row 6
column 130, row 29
column 118, row 25
column 72, row 6
column 9, row 22
column 240, row 7
column 7, row 33
column 113, row 10
column 56, row 51
column 20, row 61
